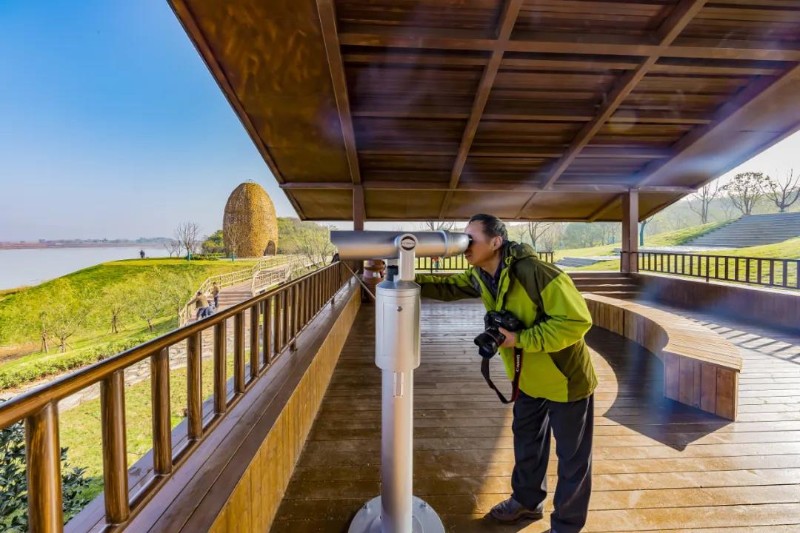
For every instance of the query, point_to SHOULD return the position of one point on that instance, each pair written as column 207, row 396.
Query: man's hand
column 511, row 338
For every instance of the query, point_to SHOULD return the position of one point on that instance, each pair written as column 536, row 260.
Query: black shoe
column 510, row 511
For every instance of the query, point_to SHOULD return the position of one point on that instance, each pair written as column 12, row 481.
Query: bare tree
column 699, row 201
column 534, row 231
column 187, row 234
column 173, row 247
column 438, row 225
column 315, row 244
column 745, row 190
column 66, row 315
column 783, row 191
column 117, row 301
column 727, row 208
column 552, row 236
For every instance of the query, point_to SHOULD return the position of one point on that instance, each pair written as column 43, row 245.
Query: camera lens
column 488, row 342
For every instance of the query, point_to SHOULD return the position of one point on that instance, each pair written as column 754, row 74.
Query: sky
column 111, row 126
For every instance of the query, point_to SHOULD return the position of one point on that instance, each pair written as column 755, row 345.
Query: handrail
column 234, row 278
column 275, row 318
column 764, row 271
column 458, row 263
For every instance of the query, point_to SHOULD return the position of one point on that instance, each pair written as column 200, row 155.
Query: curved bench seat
column 701, row 368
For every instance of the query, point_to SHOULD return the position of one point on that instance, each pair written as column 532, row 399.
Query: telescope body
column 387, row 244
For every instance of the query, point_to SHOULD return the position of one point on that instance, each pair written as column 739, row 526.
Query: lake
column 31, row 267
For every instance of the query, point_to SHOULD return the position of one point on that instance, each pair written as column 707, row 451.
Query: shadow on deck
column 658, row 465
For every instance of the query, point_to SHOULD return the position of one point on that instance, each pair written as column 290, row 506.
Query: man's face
column 482, row 249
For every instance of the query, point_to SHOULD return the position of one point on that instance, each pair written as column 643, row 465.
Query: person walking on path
column 215, row 294
column 201, row 303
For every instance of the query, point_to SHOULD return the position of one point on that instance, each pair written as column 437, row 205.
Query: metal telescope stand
column 397, row 354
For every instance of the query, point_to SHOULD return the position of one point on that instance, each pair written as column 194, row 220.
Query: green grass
column 81, row 432
column 670, row 238
column 19, row 313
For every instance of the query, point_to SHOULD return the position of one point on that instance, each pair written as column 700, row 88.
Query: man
column 215, row 294
column 557, row 380
column 201, row 303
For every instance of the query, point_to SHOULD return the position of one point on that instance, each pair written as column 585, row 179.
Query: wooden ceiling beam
column 330, row 36
column 499, row 186
column 558, row 44
column 508, row 19
column 683, row 13
column 603, row 209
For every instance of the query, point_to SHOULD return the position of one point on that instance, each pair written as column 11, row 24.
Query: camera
column 488, row 341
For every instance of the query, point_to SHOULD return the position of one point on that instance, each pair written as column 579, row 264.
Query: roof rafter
column 333, row 50
column 666, row 33
column 507, row 21
column 499, row 186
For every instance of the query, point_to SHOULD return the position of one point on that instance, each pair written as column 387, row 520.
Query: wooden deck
column 658, row 465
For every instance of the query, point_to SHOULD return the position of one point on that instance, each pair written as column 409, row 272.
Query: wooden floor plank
column 658, row 465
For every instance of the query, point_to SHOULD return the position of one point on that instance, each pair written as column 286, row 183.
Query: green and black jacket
column 555, row 362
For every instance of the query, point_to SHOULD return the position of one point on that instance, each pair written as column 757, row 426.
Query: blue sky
column 111, row 125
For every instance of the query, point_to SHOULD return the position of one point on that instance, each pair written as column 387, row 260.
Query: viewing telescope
column 397, row 354
column 386, row 244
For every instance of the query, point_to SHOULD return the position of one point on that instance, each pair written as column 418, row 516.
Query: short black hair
column 492, row 226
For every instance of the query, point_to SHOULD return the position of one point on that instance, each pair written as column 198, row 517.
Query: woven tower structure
column 250, row 225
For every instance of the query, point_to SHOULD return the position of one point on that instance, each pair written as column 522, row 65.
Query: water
column 31, row 267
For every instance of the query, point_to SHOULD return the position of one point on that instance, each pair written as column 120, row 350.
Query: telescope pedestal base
column 424, row 518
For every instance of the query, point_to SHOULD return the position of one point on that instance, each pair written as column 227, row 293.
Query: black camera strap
column 514, row 383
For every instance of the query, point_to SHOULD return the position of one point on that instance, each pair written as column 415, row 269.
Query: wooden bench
column 701, row 368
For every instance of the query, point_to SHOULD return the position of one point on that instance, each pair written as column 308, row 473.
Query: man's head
column 487, row 234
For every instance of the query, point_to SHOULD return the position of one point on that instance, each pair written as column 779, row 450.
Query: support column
column 358, row 208
column 630, row 233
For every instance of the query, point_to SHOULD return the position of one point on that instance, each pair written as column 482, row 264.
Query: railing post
column 43, row 470
column 267, row 330
column 194, row 386
column 220, row 369
column 254, row 328
column 162, row 427
column 115, row 455
column 238, row 353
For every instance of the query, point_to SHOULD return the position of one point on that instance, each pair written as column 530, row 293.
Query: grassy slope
column 96, row 279
column 671, row 238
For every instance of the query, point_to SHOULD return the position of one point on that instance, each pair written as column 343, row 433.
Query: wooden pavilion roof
column 529, row 109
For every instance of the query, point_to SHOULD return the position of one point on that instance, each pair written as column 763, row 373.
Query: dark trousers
column 572, row 425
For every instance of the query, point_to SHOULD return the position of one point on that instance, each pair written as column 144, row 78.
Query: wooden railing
column 275, row 319
column 768, row 272
column 459, row 262
column 234, row 278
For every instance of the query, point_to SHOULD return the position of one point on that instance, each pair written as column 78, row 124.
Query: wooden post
column 254, row 316
column 44, row 471
column 267, row 330
column 238, row 353
column 115, row 454
column 358, row 208
column 630, row 233
column 220, row 368
column 162, row 428
column 194, row 386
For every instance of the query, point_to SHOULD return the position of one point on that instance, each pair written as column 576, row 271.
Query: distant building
column 250, row 225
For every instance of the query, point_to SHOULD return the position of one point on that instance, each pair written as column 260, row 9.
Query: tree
column 727, row 208
column 534, row 231
column 117, row 300
column 699, row 201
column 151, row 300
column 14, row 486
column 234, row 238
column 177, row 289
column 316, row 245
column 67, row 314
column 438, row 225
column 173, row 247
column 783, row 191
column 187, row 234
column 745, row 190
column 214, row 243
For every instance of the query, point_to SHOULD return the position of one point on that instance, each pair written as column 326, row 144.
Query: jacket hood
column 516, row 250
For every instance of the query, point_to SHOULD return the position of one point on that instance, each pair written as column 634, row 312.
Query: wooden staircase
column 611, row 284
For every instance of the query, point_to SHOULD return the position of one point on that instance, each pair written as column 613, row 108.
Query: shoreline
column 65, row 246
